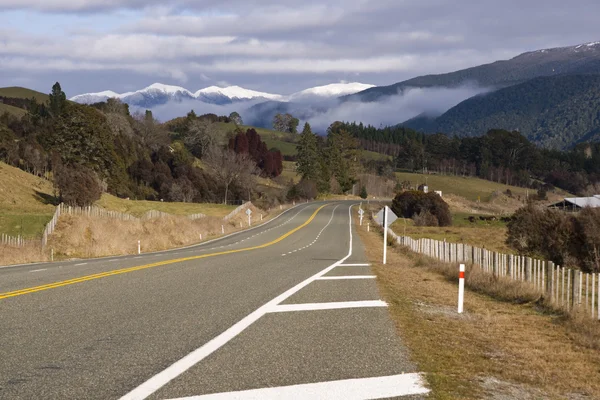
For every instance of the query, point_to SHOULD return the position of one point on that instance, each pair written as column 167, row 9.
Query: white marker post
column 139, row 247
column 461, row 288
column 385, row 224
column 249, row 213
column 368, row 226
column 222, row 230
column 360, row 213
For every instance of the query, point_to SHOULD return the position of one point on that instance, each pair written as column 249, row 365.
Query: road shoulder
column 495, row 350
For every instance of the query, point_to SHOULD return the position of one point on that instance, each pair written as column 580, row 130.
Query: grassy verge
column 496, row 350
column 139, row 207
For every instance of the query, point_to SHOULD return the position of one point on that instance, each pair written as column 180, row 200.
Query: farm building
column 577, row 203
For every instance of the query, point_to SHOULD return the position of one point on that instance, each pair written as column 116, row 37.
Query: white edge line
column 328, row 306
column 348, row 389
column 39, row 270
column 179, row 367
column 335, row 278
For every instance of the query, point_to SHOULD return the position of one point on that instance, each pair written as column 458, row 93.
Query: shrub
column 77, row 185
column 425, row 218
column 363, row 193
column 411, row 203
column 564, row 238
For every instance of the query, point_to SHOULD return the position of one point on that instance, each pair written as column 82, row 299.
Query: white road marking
column 354, row 265
column 116, row 260
column 327, row 306
column 39, row 270
column 137, row 257
column 349, row 389
column 179, row 367
column 333, row 278
column 76, row 265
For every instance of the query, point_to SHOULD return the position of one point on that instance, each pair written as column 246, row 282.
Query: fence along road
column 567, row 289
column 306, row 325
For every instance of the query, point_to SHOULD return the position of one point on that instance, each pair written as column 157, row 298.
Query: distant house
column 577, row 203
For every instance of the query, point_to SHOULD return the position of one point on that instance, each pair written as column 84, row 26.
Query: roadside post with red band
column 461, row 288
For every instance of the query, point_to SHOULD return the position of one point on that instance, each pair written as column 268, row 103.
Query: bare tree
column 151, row 131
column 202, row 135
column 228, row 168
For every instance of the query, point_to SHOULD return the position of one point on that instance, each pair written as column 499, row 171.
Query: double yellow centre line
column 21, row 292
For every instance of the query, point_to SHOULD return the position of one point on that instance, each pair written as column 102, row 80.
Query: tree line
column 499, row 155
column 87, row 150
column 326, row 164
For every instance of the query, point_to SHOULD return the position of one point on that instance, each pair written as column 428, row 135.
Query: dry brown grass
column 496, row 350
column 21, row 255
column 86, row 237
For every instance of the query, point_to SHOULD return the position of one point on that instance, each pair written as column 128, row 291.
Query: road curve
column 287, row 309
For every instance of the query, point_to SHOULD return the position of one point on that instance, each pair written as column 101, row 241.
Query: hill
column 556, row 112
column 23, row 93
column 17, row 112
column 26, row 202
column 572, row 60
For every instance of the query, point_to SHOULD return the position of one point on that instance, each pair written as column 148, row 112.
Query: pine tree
column 58, row 100
column 343, row 158
column 308, row 155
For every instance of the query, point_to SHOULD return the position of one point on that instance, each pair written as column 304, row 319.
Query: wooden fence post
column 550, row 280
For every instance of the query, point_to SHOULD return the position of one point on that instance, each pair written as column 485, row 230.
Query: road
column 289, row 309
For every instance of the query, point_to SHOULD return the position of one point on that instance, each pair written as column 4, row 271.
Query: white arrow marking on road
column 348, row 389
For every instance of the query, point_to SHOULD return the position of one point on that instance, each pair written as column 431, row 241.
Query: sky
column 276, row 46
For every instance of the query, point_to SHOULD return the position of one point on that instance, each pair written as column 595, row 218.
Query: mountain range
column 159, row 94
column 571, row 60
column 549, row 95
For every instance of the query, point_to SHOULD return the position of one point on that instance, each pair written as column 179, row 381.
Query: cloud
column 390, row 111
column 277, row 45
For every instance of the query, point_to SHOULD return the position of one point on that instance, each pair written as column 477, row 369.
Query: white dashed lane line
column 318, row 235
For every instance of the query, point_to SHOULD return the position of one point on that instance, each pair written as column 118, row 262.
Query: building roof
column 593, row 202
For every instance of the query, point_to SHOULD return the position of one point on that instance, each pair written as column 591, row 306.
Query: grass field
column 139, row 207
column 467, row 187
column 489, row 235
column 23, row 93
column 26, row 202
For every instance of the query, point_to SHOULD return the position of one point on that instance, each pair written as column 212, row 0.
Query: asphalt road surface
column 286, row 310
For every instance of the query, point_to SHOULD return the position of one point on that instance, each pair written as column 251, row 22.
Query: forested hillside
column 498, row 155
column 88, row 150
column 572, row 60
column 554, row 112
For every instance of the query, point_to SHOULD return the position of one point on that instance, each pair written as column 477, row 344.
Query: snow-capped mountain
column 91, row 98
column 332, row 90
column 235, row 93
column 158, row 94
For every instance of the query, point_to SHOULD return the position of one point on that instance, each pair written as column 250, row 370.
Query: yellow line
column 49, row 286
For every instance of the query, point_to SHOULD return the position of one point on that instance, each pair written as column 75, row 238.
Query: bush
column 77, row 185
column 425, row 218
column 305, row 189
column 411, row 203
column 363, row 193
column 566, row 239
